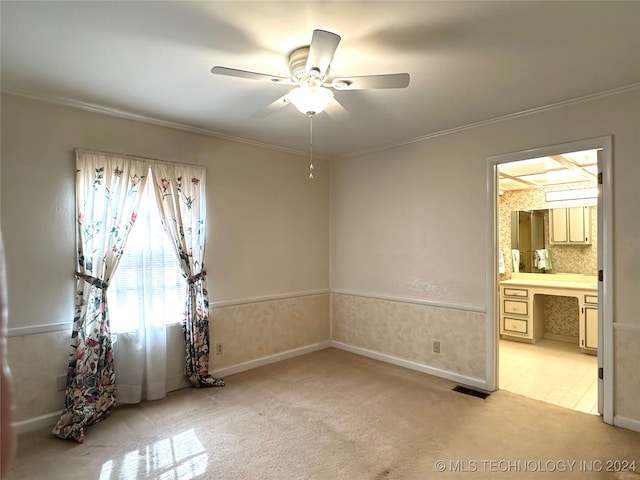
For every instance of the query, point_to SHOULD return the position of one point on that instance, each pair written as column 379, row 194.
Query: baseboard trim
column 262, row 361
column 50, row 419
column 561, row 338
column 411, row 365
column 36, row 423
column 626, row 422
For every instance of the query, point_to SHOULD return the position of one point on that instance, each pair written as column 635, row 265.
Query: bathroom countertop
column 580, row 282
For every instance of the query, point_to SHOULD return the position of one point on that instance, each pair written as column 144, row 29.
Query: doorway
column 517, row 359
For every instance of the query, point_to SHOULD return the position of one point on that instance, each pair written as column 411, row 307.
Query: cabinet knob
column 515, row 307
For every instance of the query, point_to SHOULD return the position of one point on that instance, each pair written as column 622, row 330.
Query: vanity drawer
column 515, row 292
column 591, row 299
column 516, row 307
column 515, row 325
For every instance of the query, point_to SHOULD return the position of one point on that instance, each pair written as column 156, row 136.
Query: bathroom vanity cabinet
column 522, row 306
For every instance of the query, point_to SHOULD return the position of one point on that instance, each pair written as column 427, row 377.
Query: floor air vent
column 471, row 391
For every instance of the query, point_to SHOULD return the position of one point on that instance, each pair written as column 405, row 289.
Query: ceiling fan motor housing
column 298, row 66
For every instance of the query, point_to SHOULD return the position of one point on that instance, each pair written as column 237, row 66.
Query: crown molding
column 502, row 118
column 67, row 102
column 113, row 112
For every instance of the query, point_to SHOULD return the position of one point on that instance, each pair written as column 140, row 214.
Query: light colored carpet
column 334, row 415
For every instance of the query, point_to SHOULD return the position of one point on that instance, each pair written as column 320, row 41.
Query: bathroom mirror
column 527, row 236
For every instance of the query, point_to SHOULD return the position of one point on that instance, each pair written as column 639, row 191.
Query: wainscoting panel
column 36, row 362
column 250, row 331
column 627, row 379
column 407, row 330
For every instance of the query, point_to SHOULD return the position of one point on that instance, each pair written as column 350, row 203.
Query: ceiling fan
column 309, row 67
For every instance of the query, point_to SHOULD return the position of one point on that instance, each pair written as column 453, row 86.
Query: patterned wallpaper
column 627, row 359
column 38, row 394
column 560, row 316
column 406, row 331
column 255, row 330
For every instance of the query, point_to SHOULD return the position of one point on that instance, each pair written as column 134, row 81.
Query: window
column 148, row 283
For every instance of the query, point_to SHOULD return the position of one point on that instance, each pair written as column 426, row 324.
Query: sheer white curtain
column 181, row 198
column 146, row 299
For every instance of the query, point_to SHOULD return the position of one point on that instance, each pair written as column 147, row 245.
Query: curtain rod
column 137, row 157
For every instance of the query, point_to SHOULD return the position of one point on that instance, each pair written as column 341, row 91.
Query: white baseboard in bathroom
column 260, row 362
column 401, row 362
column 561, row 338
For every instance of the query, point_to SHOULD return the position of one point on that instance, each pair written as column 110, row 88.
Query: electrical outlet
column 219, row 348
column 436, row 346
column 61, row 382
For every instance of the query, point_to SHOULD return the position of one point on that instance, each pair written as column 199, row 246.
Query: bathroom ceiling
column 470, row 62
column 573, row 167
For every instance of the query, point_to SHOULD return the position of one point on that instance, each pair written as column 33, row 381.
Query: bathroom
column 553, row 366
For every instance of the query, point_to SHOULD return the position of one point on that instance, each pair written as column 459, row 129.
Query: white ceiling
column 469, row 62
column 572, row 167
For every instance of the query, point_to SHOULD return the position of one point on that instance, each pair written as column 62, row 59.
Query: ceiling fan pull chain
column 311, row 146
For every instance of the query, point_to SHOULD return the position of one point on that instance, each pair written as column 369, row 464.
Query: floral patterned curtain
column 180, row 193
column 107, row 198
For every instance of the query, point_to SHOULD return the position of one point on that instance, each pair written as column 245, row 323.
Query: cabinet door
column 577, row 224
column 591, row 328
column 559, row 225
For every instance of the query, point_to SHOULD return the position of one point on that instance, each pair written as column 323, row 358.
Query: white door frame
column 605, row 261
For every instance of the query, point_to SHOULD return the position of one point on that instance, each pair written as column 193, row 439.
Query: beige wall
column 411, row 222
column 268, row 239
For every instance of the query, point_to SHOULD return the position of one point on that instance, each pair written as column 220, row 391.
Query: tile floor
column 551, row 371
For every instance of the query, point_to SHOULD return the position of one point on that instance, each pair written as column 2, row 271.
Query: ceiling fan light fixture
column 310, row 99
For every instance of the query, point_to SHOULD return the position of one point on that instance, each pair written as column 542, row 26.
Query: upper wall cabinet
column 570, row 226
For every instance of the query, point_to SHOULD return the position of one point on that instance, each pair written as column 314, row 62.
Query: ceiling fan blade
column 271, row 108
column 323, row 46
column 336, row 111
column 232, row 72
column 391, row 80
